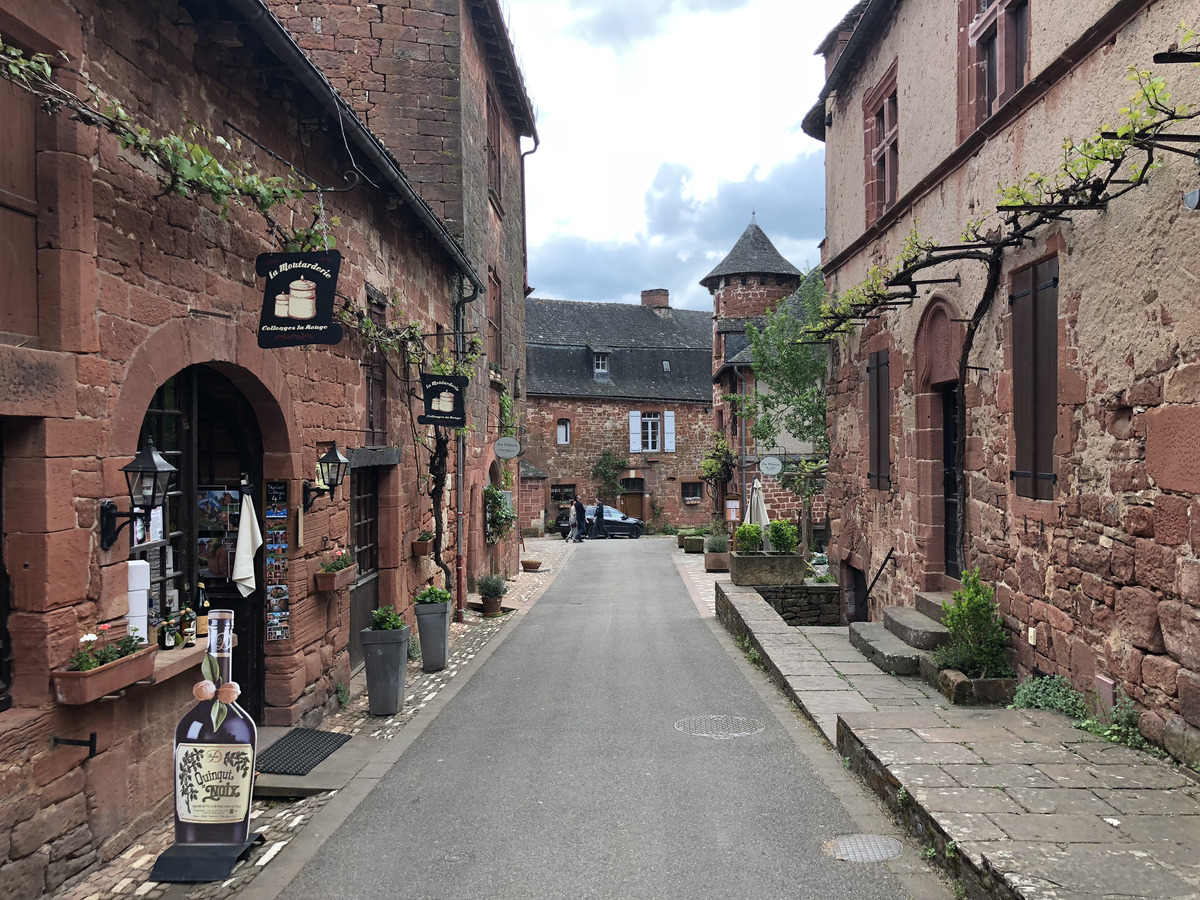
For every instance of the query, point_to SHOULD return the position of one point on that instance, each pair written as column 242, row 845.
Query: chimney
column 657, row 298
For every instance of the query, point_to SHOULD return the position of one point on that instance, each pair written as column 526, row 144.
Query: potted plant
column 491, row 588
column 783, row 536
column 94, row 671
column 531, row 565
column 750, row 566
column 385, row 652
column 716, row 553
column 423, row 545
column 433, row 625
column 972, row 666
column 337, row 570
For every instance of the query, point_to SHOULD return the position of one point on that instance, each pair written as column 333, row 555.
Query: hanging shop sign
column 298, row 299
column 770, row 465
column 445, row 400
column 507, row 448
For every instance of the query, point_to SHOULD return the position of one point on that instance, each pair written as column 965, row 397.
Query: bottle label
column 213, row 782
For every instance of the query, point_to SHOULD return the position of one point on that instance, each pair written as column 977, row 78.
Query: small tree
column 607, row 475
column 717, row 468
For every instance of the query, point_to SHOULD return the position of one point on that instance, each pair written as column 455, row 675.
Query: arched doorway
column 207, row 429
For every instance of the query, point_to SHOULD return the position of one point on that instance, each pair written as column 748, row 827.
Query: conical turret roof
column 753, row 254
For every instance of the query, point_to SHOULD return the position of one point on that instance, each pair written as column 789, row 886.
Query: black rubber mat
column 298, row 751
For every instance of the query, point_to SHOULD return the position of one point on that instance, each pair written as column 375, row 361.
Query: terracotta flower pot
column 75, row 688
column 422, row 548
column 335, row 581
column 531, row 565
column 491, row 606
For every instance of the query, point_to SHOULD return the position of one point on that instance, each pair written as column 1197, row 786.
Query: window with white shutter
column 635, row 432
column 669, row 432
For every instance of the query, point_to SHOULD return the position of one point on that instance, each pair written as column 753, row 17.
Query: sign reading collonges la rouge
column 298, row 299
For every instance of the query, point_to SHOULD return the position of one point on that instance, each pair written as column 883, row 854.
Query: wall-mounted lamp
column 148, row 479
column 332, row 468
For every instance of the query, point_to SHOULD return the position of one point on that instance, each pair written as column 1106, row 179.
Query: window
column 666, row 365
column 879, row 421
column 493, row 144
column 495, row 320
column 691, row 491
column 564, row 431
column 364, row 518
column 562, row 494
column 375, row 371
column 997, row 53
column 881, row 109
column 600, row 364
column 18, row 212
column 1034, row 304
column 650, row 432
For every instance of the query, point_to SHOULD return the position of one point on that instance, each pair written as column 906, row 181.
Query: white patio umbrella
column 756, row 511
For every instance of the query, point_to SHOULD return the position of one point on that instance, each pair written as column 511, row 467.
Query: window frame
column 375, row 374
column 600, row 363
column 495, row 171
column 652, row 432
column 684, row 492
column 364, row 518
column 563, row 426
column 495, row 319
column 879, row 430
column 563, row 489
column 1033, row 308
column 996, row 55
column 881, row 129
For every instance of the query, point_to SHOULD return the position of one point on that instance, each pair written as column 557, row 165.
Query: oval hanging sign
column 770, row 465
column 507, row 447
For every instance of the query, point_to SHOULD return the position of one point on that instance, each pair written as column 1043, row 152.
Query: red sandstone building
column 633, row 380
column 126, row 313
column 1057, row 451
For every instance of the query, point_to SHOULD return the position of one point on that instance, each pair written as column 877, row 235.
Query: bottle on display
column 201, row 610
column 214, row 750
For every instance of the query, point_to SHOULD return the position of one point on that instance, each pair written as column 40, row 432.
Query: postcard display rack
column 275, row 567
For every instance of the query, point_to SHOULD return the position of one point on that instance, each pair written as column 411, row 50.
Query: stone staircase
column 897, row 644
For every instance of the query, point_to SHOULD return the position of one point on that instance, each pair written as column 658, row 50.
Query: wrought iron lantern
column 331, row 468
column 148, row 479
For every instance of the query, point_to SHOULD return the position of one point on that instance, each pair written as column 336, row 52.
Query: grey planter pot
column 386, row 657
column 433, row 626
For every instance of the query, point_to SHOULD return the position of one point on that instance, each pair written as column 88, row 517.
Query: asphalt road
column 558, row 771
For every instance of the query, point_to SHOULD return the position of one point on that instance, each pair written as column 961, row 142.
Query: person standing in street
column 580, row 521
column 573, row 521
column 598, row 529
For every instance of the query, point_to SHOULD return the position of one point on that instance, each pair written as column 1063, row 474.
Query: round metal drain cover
column 719, row 728
column 864, row 848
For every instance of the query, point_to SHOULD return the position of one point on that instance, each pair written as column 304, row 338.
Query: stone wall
column 599, row 425
column 1103, row 579
column 804, row 604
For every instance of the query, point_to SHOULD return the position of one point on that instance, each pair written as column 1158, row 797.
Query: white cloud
column 659, row 121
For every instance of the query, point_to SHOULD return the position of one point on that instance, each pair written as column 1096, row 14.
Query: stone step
column 884, row 649
column 914, row 628
column 929, row 603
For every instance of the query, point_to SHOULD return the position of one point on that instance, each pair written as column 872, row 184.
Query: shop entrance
column 206, row 428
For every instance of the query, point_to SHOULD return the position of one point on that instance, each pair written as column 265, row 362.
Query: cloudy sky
column 663, row 124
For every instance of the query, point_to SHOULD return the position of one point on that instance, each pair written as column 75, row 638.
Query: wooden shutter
column 1045, row 334
column 879, row 421
column 1034, row 303
column 669, row 432
column 18, row 212
column 635, row 432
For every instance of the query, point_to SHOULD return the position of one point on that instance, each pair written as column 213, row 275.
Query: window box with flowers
column 97, row 671
column 337, row 571
column 423, row 545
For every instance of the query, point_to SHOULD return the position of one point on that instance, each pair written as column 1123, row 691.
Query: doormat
column 298, row 751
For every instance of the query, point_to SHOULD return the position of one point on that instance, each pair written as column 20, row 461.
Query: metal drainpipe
column 742, row 436
column 460, row 565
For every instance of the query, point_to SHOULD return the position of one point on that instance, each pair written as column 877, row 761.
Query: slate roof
column 562, row 336
column 753, row 254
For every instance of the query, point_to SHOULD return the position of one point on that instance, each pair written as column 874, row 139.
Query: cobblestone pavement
column 279, row 821
column 700, row 584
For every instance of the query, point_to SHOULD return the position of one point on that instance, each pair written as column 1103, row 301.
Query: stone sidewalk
column 281, row 820
column 1012, row 803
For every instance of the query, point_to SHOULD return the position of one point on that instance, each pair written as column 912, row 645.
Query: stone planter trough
column 753, row 569
column 716, row 562
column 693, row 544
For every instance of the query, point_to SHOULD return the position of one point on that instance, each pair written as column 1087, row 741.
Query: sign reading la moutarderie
column 298, row 299
column 445, row 400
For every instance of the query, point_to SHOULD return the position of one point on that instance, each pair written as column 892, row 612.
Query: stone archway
column 938, row 348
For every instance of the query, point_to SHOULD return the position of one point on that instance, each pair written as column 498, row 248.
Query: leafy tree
column 717, row 468
column 607, row 473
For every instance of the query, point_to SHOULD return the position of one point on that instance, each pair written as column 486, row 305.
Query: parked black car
column 616, row 523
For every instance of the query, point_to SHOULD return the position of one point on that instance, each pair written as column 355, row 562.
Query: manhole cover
column 864, row 848
column 719, row 728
